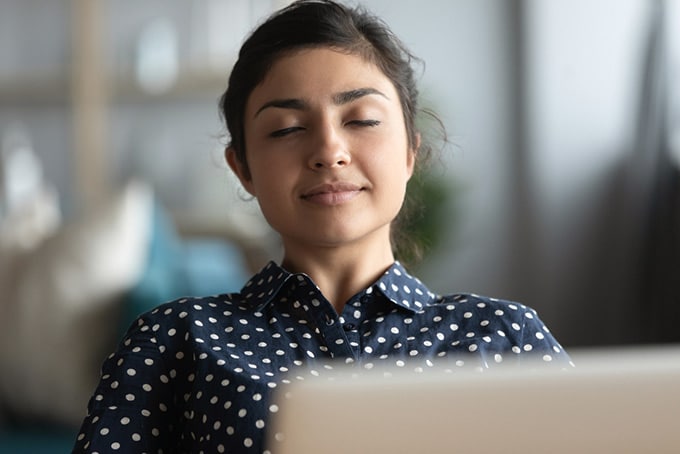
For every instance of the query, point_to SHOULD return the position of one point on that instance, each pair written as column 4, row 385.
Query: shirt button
column 349, row 326
column 329, row 320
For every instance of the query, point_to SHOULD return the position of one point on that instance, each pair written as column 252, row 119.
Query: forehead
column 318, row 73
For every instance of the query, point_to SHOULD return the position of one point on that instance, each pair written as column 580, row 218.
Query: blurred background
column 559, row 188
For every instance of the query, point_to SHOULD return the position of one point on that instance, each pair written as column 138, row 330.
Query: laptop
column 614, row 401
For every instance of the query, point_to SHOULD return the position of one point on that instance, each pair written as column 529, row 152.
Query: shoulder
column 190, row 313
column 516, row 323
column 483, row 314
column 473, row 306
column 177, row 332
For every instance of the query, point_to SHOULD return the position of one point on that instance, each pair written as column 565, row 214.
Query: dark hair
column 322, row 23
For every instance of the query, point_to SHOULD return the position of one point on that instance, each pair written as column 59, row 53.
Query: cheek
column 272, row 177
column 392, row 158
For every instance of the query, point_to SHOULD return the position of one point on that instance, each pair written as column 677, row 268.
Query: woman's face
column 327, row 150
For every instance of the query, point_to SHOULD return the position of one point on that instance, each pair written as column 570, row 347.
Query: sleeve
column 537, row 343
column 132, row 407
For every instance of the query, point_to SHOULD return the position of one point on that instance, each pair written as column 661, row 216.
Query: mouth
column 332, row 193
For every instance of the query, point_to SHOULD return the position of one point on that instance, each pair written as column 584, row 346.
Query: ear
column 239, row 170
column 411, row 156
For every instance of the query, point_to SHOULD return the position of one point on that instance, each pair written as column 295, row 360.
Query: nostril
column 322, row 164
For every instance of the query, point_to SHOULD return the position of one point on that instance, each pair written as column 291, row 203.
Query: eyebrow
column 344, row 97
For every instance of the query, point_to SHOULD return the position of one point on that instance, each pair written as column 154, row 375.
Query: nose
column 329, row 150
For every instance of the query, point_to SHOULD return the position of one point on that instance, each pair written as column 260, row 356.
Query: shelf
column 35, row 89
column 194, row 85
column 32, row 90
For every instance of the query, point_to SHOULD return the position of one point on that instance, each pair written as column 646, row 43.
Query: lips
column 332, row 193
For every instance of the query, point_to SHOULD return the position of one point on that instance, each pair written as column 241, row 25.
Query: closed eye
column 369, row 123
column 285, row 131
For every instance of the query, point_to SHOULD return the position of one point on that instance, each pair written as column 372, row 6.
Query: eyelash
column 286, row 131
column 369, row 123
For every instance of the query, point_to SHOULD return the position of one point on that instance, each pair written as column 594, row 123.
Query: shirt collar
column 396, row 284
column 403, row 289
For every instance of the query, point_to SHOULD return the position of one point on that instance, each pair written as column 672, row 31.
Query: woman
column 320, row 108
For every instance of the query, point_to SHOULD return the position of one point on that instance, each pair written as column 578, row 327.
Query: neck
column 340, row 272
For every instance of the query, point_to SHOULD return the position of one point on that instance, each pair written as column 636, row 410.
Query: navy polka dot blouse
column 196, row 375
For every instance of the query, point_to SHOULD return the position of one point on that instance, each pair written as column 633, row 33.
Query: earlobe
column 239, row 170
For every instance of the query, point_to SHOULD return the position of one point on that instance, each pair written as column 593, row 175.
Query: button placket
column 331, row 328
column 353, row 316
